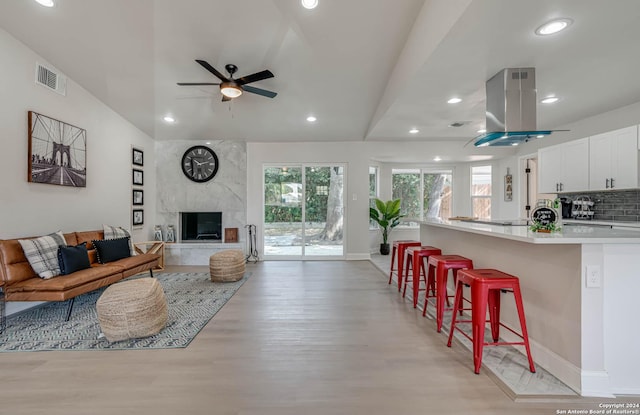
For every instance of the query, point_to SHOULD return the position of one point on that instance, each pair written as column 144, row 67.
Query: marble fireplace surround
column 226, row 193
column 195, row 253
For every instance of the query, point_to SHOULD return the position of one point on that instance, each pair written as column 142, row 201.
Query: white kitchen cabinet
column 613, row 160
column 564, row 168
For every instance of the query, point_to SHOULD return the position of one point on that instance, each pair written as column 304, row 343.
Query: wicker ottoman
column 132, row 309
column 227, row 266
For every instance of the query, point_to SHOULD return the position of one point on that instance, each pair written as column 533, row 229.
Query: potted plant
column 544, row 227
column 387, row 216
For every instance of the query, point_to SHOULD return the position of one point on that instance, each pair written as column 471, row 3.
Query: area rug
column 192, row 300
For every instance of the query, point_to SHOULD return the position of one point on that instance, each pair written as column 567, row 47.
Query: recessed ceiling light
column 437, row 158
column 514, row 144
column 208, row 143
column 309, row 4
column 311, row 118
column 169, row 118
column 454, row 100
column 549, row 100
column 46, row 3
column 540, row 136
column 481, row 131
column 553, row 26
column 414, row 131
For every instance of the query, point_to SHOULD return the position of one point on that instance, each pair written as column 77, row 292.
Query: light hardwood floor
column 299, row 338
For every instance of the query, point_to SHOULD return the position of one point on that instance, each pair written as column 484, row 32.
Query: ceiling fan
column 233, row 88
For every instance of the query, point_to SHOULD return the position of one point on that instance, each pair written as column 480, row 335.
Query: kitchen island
column 579, row 288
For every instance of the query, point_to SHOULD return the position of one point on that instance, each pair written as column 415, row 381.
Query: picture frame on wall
column 57, row 152
column 138, row 177
column 138, row 197
column 137, row 157
column 508, row 187
column 138, row 217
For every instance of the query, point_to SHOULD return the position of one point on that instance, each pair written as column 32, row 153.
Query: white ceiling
column 367, row 69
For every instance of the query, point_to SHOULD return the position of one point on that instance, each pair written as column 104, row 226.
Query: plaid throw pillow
column 116, row 232
column 42, row 253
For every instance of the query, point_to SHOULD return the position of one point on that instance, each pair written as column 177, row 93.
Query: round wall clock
column 200, row 164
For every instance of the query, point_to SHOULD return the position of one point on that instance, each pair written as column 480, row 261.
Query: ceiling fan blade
column 258, row 76
column 259, row 91
column 196, row 83
column 213, row 70
column 225, row 98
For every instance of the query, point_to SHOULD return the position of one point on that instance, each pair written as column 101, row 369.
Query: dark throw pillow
column 73, row 258
column 109, row 250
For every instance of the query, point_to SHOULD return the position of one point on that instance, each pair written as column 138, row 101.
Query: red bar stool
column 400, row 247
column 441, row 264
column 415, row 257
column 486, row 285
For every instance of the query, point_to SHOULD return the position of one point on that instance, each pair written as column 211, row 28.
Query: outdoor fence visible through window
column 481, row 192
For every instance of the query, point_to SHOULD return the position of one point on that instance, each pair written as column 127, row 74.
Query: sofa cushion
column 67, row 282
column 114, row 232
column 110, row 250
column 73, row 258
column 42, row 253
column 88, row 236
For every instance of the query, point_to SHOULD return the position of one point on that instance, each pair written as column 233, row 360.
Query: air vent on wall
column 51, row 79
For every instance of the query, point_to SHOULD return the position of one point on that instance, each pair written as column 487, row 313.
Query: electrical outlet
column 593, row 276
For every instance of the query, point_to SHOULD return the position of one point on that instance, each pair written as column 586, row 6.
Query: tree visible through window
column 424, row 193
column 373, row 191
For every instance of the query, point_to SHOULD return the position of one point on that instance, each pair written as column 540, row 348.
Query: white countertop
column 574, row 234
column 602, row 222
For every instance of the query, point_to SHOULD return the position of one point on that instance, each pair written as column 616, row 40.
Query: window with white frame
column 424, row 193
column 373, row 191
column 481, row 192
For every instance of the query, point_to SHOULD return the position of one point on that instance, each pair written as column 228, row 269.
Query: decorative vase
column 157, row 233
column 384, row 249
column 170, row 234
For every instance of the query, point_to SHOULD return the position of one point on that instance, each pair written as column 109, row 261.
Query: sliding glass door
column 303, row 211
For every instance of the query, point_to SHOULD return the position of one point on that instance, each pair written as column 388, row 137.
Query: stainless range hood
column 511, row 109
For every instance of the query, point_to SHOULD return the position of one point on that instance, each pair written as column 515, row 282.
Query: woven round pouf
column 132, row 309
column 227, row 266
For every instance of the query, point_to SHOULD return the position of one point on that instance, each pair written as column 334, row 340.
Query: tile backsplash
column 616, row 205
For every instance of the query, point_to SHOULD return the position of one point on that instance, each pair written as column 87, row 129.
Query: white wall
column 29, row 209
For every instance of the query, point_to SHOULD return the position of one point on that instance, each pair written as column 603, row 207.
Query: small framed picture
column 138, row 177
column 138, row 197
column 137, row 157
column 138, row 217
column 508, row 188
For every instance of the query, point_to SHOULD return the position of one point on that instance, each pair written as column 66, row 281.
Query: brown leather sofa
column 21, row 283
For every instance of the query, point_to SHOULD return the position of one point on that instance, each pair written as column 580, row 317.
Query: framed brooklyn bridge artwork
column 57, row 152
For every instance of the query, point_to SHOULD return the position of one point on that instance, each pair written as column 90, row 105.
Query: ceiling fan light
column 230, row 89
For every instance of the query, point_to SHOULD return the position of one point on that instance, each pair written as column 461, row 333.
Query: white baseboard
column 565, row 371
column 597, row 384
column 358, row 257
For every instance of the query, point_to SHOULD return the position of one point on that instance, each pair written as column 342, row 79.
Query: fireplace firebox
column 201, row 226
